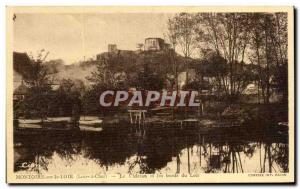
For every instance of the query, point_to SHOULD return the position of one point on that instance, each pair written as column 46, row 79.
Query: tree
column 227, row 34
column 67, row 97
column 268, row 50
column 214, row 66
column 39, row 87
column 110, row 72
column 148, row 80
column 181, row 29
column 173, row 36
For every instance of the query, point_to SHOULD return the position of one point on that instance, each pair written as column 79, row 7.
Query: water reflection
column 151, row 151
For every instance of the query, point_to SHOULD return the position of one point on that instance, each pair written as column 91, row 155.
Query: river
column 134, row 150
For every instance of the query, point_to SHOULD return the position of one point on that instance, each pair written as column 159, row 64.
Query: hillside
column 130, row 62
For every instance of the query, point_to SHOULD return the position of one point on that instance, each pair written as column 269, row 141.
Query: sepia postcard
column 150, row 95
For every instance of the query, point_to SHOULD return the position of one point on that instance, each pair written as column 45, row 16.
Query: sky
column 71, row 37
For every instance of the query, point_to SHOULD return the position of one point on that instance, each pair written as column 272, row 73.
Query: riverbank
column 241, row 116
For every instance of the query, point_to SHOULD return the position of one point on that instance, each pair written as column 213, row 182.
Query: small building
column 154, row 44
column 112, row 48
column 182, row 77
column 20, row 92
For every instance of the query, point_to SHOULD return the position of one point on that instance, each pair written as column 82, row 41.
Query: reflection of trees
column 281, row 156
column 109, row 147
column 227, row 155
column 222, row 153
column 37, row 150
column 150, row 150
column 277, row 153
column 156, row 151
column 232, row 159
column 156, row 148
